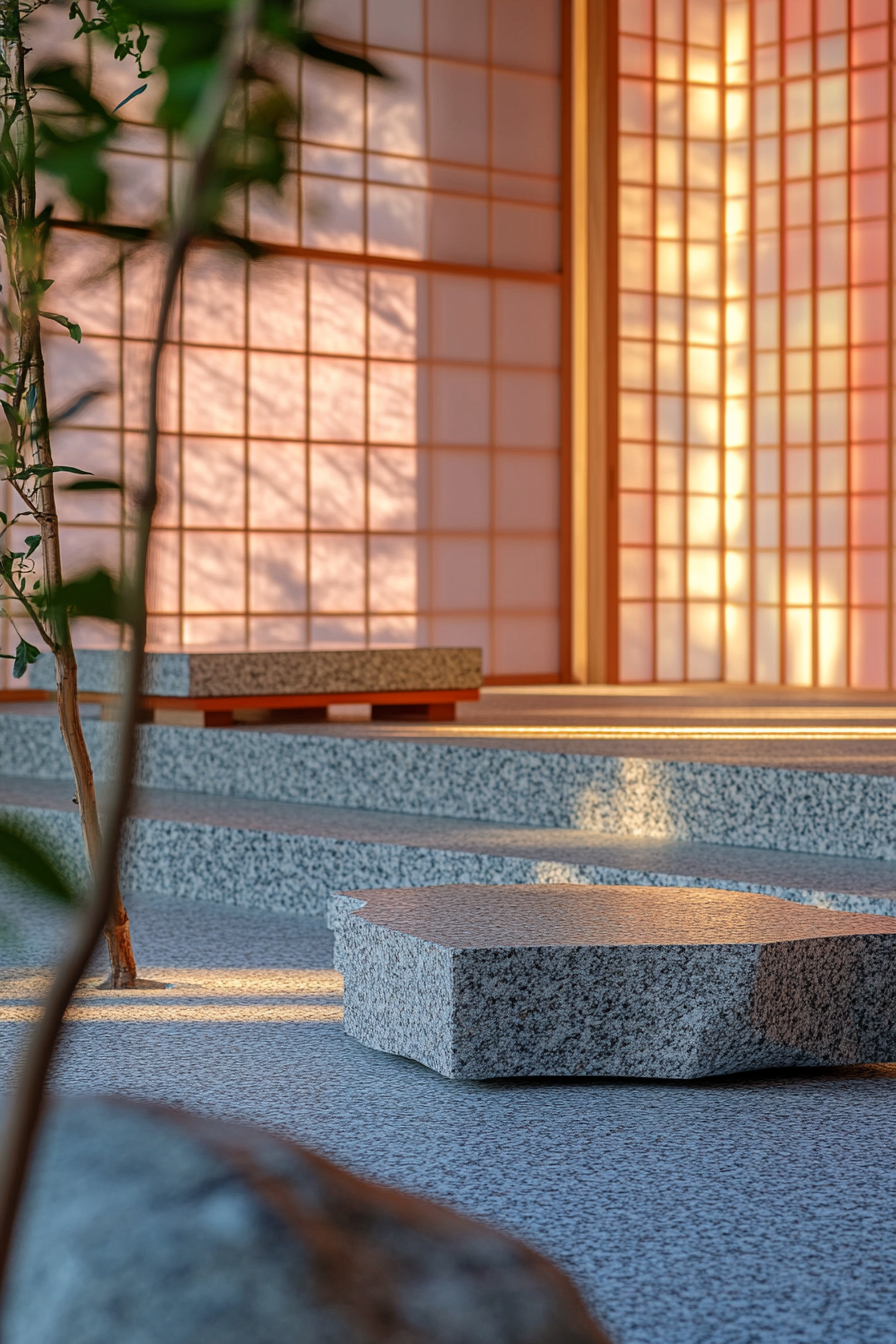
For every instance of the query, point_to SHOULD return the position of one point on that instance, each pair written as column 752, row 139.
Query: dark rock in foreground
column 153, row 1226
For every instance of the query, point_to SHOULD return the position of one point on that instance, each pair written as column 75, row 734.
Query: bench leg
column 301, row 714
column 443, row 711
column 218, row 718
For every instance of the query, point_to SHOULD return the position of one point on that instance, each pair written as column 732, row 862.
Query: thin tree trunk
column 26, row 1103
column 122, row 966
column 27, row 250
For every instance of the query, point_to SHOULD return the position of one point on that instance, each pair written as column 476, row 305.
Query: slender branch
column 12, row 622
column 26, row 499
column 27, row 1102
column 25, row 354
column 19, row 596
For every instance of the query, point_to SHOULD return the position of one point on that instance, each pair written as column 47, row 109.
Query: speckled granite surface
column 530, row 981
column 809, row 811
column 293, row 856
column 101, row 671
column 278, row 673
column 753, row 1209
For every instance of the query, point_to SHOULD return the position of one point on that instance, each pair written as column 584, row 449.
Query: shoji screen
column 362, row 431
column 755, row 429
column 671, row 313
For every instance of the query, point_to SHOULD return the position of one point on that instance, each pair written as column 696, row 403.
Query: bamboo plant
column 31, row 572
column 225, row 104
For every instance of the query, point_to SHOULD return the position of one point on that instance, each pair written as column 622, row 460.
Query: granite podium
column 644, row 982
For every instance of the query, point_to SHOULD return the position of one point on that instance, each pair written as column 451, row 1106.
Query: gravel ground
column 757, row 1208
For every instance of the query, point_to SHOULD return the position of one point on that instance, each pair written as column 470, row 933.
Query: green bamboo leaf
column 20, row 855
column 42, row 469
column 25, row 654
column 71, row 327
column 73, row 135
column 95, row 594
column 13, row 419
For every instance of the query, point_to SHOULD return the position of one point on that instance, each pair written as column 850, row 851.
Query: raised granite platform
column 818, row 812
column 293, row 856
column 528, row 981
column 199, row 674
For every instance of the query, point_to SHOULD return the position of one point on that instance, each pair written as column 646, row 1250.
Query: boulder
column 619, row 981
column 154, row 1226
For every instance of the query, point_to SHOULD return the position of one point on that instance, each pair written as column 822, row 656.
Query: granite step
column 294, row 856
column 807, row 811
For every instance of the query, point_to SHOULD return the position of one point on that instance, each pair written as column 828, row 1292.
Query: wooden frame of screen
column 591, row 521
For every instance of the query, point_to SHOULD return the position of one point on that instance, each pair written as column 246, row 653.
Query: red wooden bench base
column 219, row 711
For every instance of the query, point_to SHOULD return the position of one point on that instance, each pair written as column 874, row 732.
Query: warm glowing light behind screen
column 755, row 335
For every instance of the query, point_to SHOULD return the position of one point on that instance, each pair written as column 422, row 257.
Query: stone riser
column 597, row 1043
column 275, row 870
column 808, row 811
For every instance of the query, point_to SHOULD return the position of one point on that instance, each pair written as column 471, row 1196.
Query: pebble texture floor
column 751, row 1209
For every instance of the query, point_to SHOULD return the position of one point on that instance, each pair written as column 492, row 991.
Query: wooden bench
column 218, row 688
column 645, row 982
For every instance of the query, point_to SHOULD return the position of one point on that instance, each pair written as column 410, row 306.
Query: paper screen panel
column 362, row 431
column 755, row 339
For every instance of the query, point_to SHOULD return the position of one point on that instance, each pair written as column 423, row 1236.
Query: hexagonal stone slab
column 644, row 982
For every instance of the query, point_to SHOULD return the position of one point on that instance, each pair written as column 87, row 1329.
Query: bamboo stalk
column 27, row 1101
